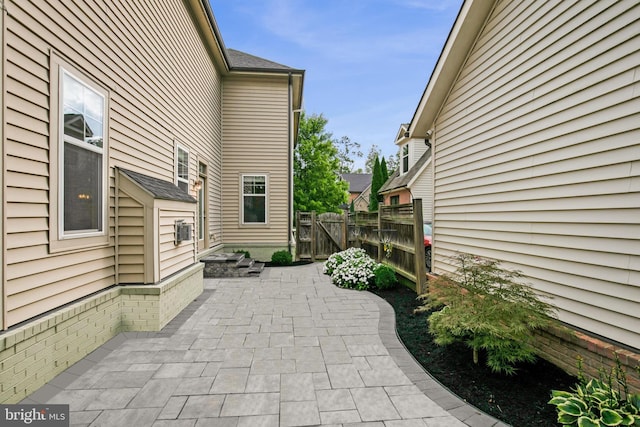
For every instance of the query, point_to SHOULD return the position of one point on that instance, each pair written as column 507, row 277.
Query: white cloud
column 367, row 62
column 345, row 31
column 438, row 5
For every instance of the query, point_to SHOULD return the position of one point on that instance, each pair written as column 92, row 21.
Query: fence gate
column 318, row 236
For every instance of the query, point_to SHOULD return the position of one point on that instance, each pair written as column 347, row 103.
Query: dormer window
column 405, row 158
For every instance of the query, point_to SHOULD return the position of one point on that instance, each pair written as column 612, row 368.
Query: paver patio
column 284, row 349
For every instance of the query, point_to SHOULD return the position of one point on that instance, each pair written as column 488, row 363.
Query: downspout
column 3, row 198
column 289, row 163
column 117, row 227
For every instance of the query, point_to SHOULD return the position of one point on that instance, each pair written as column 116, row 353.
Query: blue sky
column 367, row 62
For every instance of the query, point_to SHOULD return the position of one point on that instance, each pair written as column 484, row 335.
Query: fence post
column 345, row 229
column 380, row 244
column 357, row 243
column 313, row 236
column 418, row 241
column 298, row 236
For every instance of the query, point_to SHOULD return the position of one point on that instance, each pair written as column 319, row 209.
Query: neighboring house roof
column 358, row 182
column 242, row 60
column 397, row 181
column 159, row 188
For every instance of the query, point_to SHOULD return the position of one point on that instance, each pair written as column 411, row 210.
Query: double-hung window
column 82, row 163
column 182, row 168
column 405, row 158
column 254, row 199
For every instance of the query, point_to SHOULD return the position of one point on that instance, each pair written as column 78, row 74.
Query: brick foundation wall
column 562, row 347
column 34, row 353
column 179, row 294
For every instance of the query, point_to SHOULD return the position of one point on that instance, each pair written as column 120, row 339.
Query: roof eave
column 202, row 16
column 462, row 37
column 254, row 70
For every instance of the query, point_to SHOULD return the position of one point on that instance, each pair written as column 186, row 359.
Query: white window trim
column 402, row 156
column 178, row 179
column 266, row 201
column 203, row 203
column 58, row 240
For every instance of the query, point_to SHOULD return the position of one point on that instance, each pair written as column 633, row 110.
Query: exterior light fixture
column 427, row 139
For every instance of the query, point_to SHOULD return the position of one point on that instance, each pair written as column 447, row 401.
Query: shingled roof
column 397, row 181
column 242, row 60
column 358, row 182
column 159, row 188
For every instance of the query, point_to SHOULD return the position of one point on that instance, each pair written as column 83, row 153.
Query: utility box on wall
column 183, row 231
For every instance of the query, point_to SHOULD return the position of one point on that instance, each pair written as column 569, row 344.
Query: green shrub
column 355, row 273
column 385, row 277
column 281, row 258
column 486, row 308
column 351, row 268
column 338, row 258
column 599, row 402
column 242, row 251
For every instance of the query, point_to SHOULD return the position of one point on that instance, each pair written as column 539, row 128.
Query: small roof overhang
column 157, row 189
column 398, row 182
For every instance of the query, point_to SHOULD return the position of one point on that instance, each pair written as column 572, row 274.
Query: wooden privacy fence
column 319, row 236
column 393, row 236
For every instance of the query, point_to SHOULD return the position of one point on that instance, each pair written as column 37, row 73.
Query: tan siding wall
column 423, row 188
column 538, row 157
column 174, row 257
column 163, row 88
column 130, row 240
column 416, row 150
column 255, row 142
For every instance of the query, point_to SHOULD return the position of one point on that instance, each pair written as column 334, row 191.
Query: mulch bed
column 520, row 400
column 294, row 264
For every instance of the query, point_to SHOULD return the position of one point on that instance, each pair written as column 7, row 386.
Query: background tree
column 392, row 163
column 348, row 151
column 373, row 154
column 391, row 160
column 383, row 169
column 316, row 167
column 376, row 183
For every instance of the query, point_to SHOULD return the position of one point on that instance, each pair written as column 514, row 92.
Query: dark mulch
column 294, row 264
column 520, row 400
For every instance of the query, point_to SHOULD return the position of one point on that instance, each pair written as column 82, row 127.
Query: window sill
column 254, row 225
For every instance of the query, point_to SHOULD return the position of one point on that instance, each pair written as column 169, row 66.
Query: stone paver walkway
column 284, row 349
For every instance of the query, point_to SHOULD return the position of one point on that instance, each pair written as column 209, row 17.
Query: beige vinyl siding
column 423, row 188
column 417, row 147
column 174, row 257
column 256, row 143
column 131, row 228
column 163, row 87
column 537, row 160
